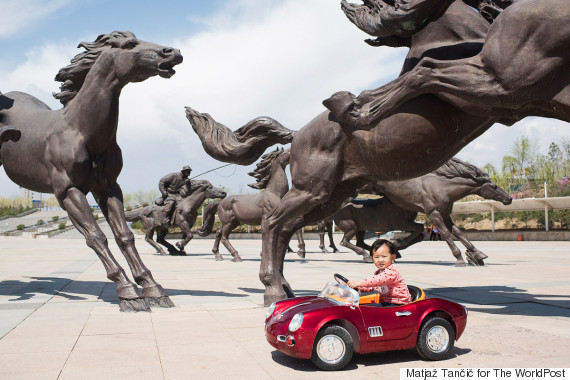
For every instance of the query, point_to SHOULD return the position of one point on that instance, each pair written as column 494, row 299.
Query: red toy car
column 330, row 327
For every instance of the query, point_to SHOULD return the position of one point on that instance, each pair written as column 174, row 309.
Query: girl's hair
column 391, row 247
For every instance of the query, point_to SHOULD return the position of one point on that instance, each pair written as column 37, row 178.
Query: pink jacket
column 391, row 285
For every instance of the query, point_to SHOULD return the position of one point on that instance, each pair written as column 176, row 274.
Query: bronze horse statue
column 192, row 196
column 521, row 70
column 432, row 194
column 250, row 208
column 73, row 151
column 330, row 159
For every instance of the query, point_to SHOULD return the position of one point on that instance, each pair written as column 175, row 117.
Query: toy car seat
column 373, row 298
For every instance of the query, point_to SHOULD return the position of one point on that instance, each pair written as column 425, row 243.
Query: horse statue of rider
column 170, row 186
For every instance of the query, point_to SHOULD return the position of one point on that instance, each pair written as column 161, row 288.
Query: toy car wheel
column 333, row 348
column 436, row 339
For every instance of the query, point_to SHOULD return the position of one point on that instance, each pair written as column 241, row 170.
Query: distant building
column 33, row 197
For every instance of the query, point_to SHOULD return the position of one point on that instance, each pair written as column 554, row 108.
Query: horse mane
column 73, row 75
column 457, row 168
column 262, row 172
column 489, row 9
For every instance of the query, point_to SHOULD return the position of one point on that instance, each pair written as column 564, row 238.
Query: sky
column 242, row 59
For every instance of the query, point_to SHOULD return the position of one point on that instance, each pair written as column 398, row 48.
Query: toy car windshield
column 340, row 294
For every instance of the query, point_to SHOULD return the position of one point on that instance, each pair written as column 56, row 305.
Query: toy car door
column 388, row 323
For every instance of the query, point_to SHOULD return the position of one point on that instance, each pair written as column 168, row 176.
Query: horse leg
column 75, row 203
column 300, row 243
column 474, row 256
column 216, row 248
column 329, row 226
column 345, row 242
column 360, row 240
column 161, row 238
column 111, row 204
column 148, row 237
column 188, row 235
column 436, row 218
column 321, row 226
column 226, row 231
column 295, row 202
column 416, row 235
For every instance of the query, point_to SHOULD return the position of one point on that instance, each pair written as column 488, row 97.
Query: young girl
column 393, row 290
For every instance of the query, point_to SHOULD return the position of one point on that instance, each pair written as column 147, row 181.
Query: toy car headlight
column 270, row 310
column 296, row 322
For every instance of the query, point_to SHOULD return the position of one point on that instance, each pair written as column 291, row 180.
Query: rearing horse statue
column 330, row 159
column 73, row 151
column 521, row 70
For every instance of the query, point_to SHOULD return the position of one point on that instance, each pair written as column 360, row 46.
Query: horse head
column 490, row 190
column 201, row 186
column 393, row 22
column 213, row 192
column 130, row 59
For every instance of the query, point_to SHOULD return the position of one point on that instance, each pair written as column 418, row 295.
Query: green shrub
column 20, row 227
column 137, row 225
column 96, row 216
column 55, row 218
column 61, row 226
column 40, row 222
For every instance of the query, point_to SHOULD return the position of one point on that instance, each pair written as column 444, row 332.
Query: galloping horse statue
column 192, row 195
column 432, row 194
column 330, row 159
column 250, row 208
column 73, row 151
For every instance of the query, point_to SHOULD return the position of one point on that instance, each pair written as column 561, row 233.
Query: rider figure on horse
column 170, row 186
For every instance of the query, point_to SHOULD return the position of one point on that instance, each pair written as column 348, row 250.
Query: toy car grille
column 375, row 331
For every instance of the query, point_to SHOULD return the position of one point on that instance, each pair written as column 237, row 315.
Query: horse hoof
column 154, row 291
column 367, row 258
column 129, row 292
column 237, row 259
column 270, row 297
column 133, row 305
column 301, row 254
column 160, row 302
column 472, row 259
column 460, row 264
column 219, row 258
column 477, row 255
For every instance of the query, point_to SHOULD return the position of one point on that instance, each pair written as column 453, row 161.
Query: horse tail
column 245, row 145
column 133, row 216
column 208, row 219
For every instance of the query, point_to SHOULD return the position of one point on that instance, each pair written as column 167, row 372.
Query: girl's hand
column 353, row 284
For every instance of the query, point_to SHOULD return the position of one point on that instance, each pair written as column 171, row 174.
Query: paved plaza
column 60, row 317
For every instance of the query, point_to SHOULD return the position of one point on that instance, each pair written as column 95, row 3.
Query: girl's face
column 382, row 257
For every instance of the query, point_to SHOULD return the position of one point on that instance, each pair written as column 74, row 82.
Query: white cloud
column 17, row 16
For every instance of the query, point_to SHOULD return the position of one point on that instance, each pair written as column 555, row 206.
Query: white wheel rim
column 331, row 349
column 437, row 339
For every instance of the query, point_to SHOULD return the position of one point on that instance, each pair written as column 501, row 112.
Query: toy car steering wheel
column 341, row 279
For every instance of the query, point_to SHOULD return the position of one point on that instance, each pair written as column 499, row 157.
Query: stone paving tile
column 33, row 365
column 61, row 319
column 209, row 360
